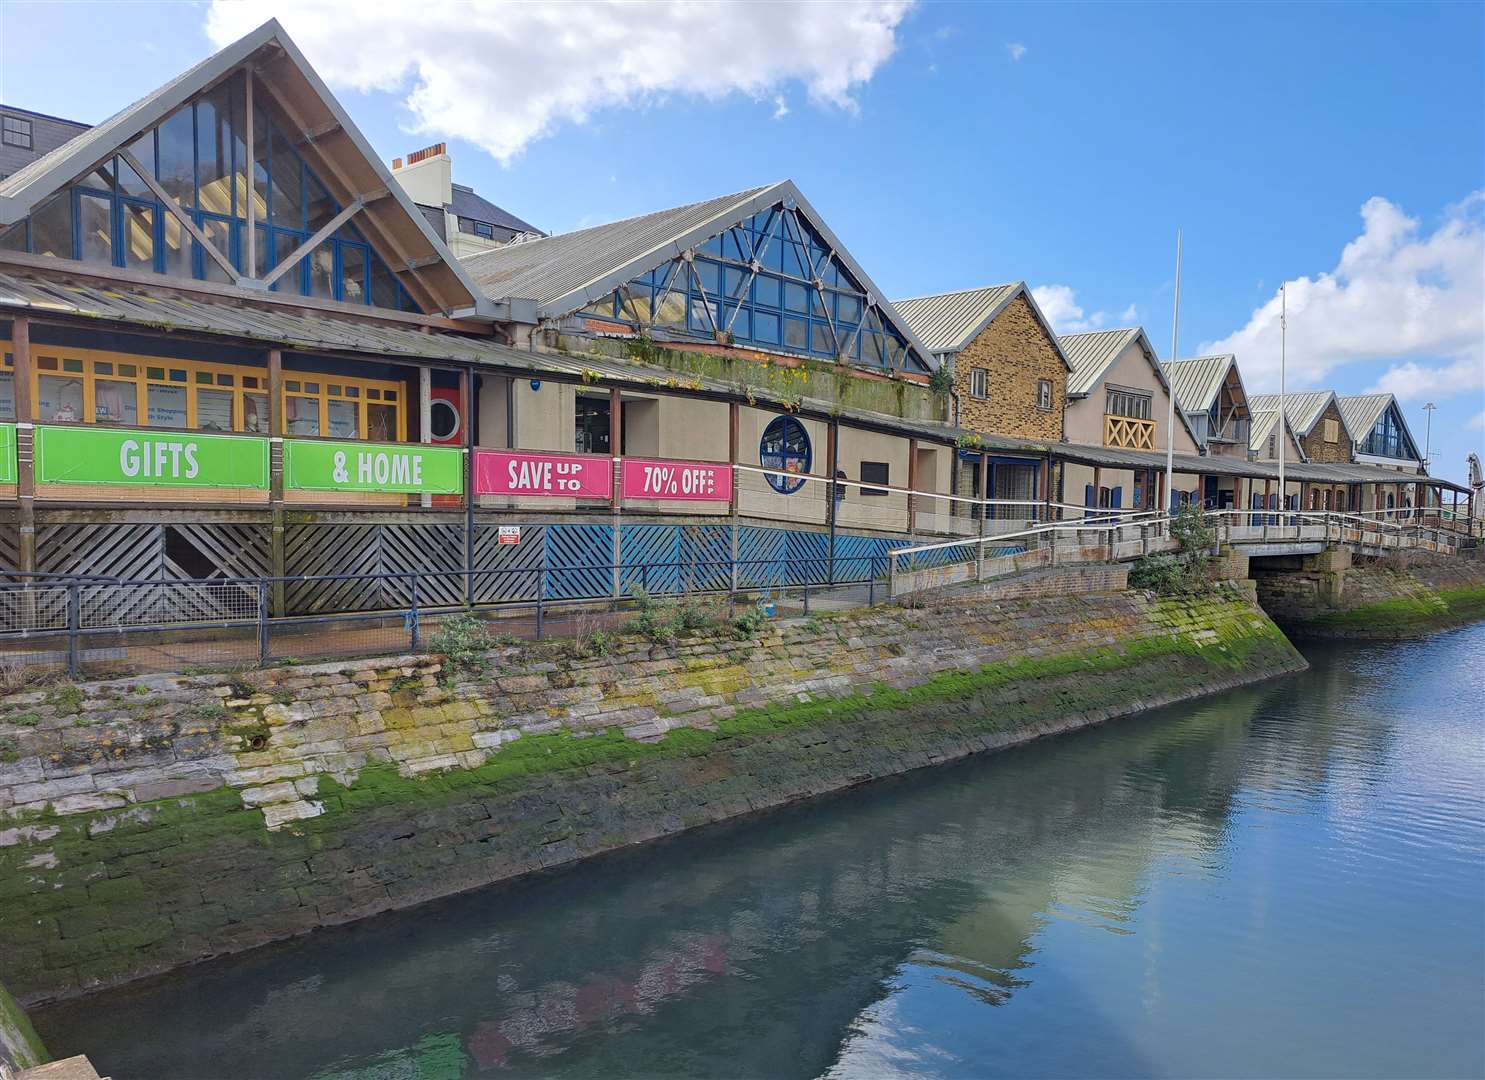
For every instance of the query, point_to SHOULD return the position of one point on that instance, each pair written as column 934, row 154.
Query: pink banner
column 515, row 472
column 691, row 480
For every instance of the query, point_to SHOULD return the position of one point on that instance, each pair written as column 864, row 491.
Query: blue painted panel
column 577, row 557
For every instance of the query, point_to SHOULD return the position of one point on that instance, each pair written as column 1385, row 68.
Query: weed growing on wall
column 462, row 641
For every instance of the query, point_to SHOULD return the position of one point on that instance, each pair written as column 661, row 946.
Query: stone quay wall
column 1391, row 597
column 152, row 822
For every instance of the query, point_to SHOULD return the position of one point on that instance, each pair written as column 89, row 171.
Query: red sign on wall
column 570, row 476
column 690, row 480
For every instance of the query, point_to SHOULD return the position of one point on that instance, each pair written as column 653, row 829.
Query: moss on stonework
column 20, row 1046
column 1416, row 613
column 1238, row 639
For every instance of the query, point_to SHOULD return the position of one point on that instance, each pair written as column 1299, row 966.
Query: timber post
column 25, row 444
column 277, row 557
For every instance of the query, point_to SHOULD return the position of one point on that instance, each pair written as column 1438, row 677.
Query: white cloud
column 780, row 106
column 1479, row 420
column 1016, row 49
column 504, row 74
column 1129, row 315
column 1411, row 381
column 1397, row 295
column 1059, row 303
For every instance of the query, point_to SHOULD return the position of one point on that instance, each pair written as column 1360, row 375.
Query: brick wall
column 1328, row 452
column 152, row 822
column 1016, row 352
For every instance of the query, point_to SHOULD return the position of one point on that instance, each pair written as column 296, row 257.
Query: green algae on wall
column 20, row 1046
column 1380, row 601
column 97, row 893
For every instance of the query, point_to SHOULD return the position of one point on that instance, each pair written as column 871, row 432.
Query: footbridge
column 1124, row 536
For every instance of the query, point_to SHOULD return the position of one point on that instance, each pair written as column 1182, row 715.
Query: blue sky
column 950, row 145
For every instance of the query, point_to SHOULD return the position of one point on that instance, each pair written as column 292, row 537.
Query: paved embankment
column 149, row 823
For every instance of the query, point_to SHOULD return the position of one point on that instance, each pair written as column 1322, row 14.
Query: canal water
column 1284, row 881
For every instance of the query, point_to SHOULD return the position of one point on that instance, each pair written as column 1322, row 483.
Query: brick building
column 1008, row 377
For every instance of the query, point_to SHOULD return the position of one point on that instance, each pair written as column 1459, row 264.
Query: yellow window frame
column 389, row 393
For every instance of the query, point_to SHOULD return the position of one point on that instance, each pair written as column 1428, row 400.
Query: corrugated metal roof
column 578, row 264
column 1091, row 354
column 947, row 322
column 1262, row 426
column 1197, row 381
column 565, row 273
column 1360, row 411
column 1304, row 408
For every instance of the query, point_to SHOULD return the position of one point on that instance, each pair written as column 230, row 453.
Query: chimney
column 428, row 175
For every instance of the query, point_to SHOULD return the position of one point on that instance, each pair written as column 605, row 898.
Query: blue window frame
column 1387, row 437
column 785, row 446
column 800, row 299
column 198, row 155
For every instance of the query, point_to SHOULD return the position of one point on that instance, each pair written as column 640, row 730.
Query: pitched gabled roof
column 1262, row 426
column 1198, row 380
column 947, row 322
column 1360, row 411
column 1094, row 353
column 339, row 152
column 569, row 271
column 1304, row 409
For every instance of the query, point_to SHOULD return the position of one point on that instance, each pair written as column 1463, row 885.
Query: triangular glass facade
column 769, row 281
column 1389, row 438
column 198, row 156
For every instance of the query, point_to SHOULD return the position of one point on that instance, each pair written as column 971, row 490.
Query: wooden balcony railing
column 1128, row 433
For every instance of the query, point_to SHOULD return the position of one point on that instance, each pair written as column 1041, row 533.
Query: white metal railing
column 1147, row 532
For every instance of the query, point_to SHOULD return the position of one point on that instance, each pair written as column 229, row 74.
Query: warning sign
column 510, row 534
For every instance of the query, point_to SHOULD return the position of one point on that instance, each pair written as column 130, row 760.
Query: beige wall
column 1084, row 420
column 755, row 498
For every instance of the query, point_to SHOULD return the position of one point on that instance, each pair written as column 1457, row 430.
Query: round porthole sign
column 785, row 446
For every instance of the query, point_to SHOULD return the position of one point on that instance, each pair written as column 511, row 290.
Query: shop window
column 89, row 386
column 979, row 383
column 592, row 427
column 874, row 472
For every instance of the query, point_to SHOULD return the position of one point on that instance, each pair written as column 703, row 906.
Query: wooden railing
column 1128, row 433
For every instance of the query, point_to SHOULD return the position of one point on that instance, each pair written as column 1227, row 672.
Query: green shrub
column 664, row 621
column 462, row 641
column 1184, row 573
column 749, row 623
column 1159, row 573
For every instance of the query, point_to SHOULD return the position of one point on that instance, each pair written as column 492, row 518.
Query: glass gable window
column 771, row 281
column 1388, row 439
column 198, row 156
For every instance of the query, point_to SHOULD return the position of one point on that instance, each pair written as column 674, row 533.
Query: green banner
column 93, row 455
column 347, row 466
column 7, row 454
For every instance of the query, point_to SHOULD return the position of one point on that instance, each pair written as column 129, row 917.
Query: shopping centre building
column 238, row 344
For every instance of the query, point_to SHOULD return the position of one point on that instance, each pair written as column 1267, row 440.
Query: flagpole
column 1283, row 417
column 1170, row 413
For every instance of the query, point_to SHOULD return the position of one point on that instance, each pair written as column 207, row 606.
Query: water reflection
column 1282, row 880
